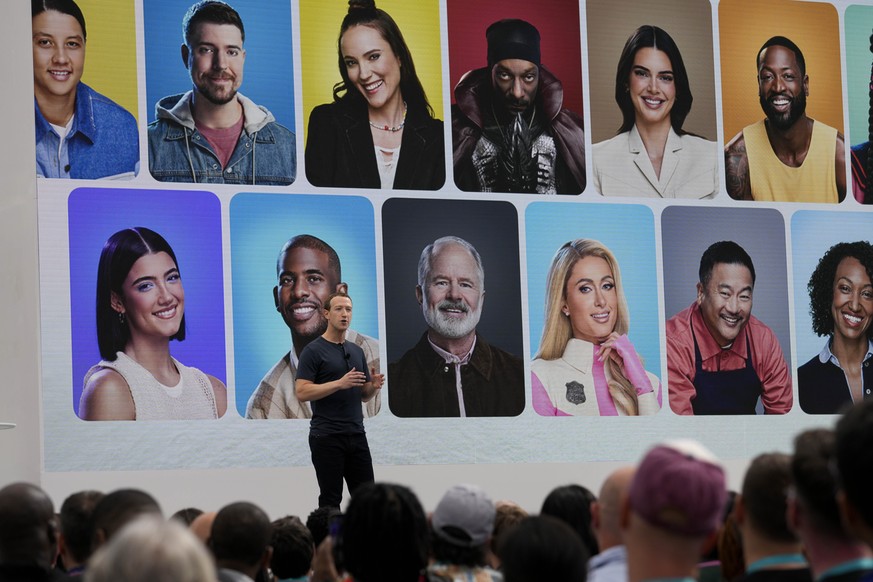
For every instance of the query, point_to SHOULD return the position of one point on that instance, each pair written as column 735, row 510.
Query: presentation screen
column 569, row 228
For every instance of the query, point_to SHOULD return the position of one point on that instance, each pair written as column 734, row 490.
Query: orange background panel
column 745, row 25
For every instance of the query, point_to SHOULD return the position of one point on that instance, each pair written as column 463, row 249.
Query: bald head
column 28, row 532
column 202, row 525
column 606, row 511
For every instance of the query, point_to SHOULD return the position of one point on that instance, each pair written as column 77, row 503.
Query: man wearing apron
column 721, row 359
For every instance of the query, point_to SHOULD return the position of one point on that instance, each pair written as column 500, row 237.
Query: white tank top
column 191, row 399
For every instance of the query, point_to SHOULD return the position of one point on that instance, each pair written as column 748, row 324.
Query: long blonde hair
column 557, row 329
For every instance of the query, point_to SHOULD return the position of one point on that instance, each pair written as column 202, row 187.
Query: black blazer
column 340, row 150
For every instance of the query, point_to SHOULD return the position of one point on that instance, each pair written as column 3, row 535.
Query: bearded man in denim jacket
column 212, row 133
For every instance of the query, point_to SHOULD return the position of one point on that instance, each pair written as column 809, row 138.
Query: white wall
column 279, row 491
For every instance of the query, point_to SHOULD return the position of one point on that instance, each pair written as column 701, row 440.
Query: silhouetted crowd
column 800, row 517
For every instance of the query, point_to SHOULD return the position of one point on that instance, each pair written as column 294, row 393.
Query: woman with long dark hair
column 379, row 132
column 652, row 155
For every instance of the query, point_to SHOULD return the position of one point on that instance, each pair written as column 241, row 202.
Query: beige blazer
column 689, row 168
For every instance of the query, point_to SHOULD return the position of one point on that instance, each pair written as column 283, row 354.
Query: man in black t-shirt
column 332, row 374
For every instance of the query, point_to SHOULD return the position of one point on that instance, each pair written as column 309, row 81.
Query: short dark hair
column 814, row 482
column 293, row 548
column 727, row 252
column 187, row 515
column 649, row 36
column 318, row 522
column 854, row 451
column 333, row 296
column 68, row 7
column 543, row 548
column 213, row 12
column 116, row 509
column 821, row 282
column 75, row 520
column 786, row 43
column 765, row 495
column 307, row 241
column 572, row 505
column 384, row 535
column 120, row 252
column 241, row 533
column 365, row 13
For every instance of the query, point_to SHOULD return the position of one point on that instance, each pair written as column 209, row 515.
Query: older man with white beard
column 452, row 370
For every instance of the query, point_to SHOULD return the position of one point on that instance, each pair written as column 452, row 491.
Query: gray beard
column 451, row 328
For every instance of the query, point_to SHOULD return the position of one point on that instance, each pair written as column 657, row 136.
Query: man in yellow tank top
column 787, row 157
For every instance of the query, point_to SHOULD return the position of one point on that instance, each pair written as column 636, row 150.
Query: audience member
column 74, row 541
column 117, row 509
column 293, row 549
column 673, row 506
column 508, row 515
column 572, row 505
column 610, row 565
column 710, row 568
column 383, row 535
column 771, row 550
column 543, row 548
column 318, row 522
column 833, row 553
column 150, row 549
column 202, row 526
column 187, row 515
column 461, row 527
column 854, row 451
column 240, row 542
column 28, row 535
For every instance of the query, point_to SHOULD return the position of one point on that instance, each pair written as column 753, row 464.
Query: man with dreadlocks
column 510, row 130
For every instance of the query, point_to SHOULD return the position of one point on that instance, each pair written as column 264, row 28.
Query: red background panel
column 557, row 21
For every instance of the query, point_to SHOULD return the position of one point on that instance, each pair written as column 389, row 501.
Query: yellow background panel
column 110, row 50
column 319, row 30
column 745, row 25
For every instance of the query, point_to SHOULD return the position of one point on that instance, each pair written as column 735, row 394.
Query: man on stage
column 332, row 374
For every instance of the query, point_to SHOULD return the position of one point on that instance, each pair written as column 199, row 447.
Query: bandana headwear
column 513, row 39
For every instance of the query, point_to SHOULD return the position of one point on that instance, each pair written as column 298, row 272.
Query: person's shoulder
column 106, row 395
column 499, row 356
column 617, row 142
column 679, row 323
column 737, row 144
column 103, row 105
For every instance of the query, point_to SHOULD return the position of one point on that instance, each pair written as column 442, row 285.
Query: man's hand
column 352, row 378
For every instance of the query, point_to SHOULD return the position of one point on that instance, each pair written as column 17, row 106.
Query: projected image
column 515, row 126
column 859, row 71
column 82, row 133
column 653, row 144
column 203, row 128
column 590, row 361
column 289, row 254
column 722, row 358
column 379, row 129
column 795, row 152
column 149, row 292
column 833, row 270
column 451, row 353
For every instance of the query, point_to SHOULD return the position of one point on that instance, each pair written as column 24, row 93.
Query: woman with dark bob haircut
column 379, row 132
column 140, row 308
column 841, row 306
column 652, row 155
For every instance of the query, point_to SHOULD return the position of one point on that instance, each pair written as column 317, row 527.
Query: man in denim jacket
column 212, row 133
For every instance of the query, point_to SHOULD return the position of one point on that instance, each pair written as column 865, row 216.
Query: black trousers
column 338, row 456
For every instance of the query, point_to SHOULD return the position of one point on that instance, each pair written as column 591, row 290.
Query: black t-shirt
column 323, row 361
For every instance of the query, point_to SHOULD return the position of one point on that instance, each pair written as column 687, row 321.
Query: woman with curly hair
column 841, row 306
